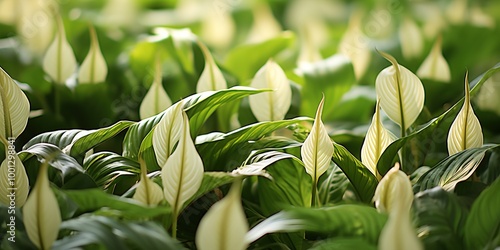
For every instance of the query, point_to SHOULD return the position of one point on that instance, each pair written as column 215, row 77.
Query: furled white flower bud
column 435, row 66
column 94, row 68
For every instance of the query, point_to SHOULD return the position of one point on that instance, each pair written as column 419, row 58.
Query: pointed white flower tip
column 377, row 139
column 14, row 107
column 394, row 192
column 94, row 68
column 265, row 26
column 411, row 39
column 218, row 29
column 167, row 133
column 465, row 131
column 59, row 62
column 317, row 150
column 401, row 93
column 19, row 183
column 211, row 78
column 147, row 191
column 435, row 66
column 41, row 214
column 354, row 45
column 271, row 106
column 457, row 11
column 156, row 99
column 224, row 226
column 481, row 19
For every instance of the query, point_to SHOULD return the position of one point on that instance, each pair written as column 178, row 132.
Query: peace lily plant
column 151, row 137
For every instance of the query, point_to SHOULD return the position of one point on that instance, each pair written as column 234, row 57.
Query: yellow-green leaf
column 41, row 214
column 465, row 131
column 271, row 106
column 167, row 133
column 224, row 226
column 147, row 191
column 156, row 100
column 14, row 107
column 376, row 140
column 14, row 183
column 94, row 68
column 401, row 93
column 183, row 172
column 59, row 61
column 317, row 150
column 211, row 78
column 435, row 66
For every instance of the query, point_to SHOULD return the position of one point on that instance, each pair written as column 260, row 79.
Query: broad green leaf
column 440, row 219
column 182, row 173
column 211, row 78
column 167, row 133
column 211, row 180
column 482, row 226
column 14, row 108
column 435, row 66
column 331, row 77
column 453, row 169
column 376, row 140
column 243, row 61
column 465, row 131
column 344, row 243
column 410, row 38
column 400, row 92
column 271, row 106
column 333, row 187
column 224, row 225
column 59, row 61
column 156, row 99
column 257, row 163
column 14, row 183
column 346, row 220
column 363, row 181
column 109, row 170
column 112, row 233
column 426, row 130
column 93, row 68
column 147, row 191
column 41, row 214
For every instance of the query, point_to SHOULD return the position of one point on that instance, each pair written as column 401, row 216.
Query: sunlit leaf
column 41, row 214
column 156, row 99
column 271, row 106
column 167, row 133
column 211, row 78
column 59, row 61
column 224, row 226
column 465, row 131
column 435, row 66
column 93, row 68
column 14, row 183
column 401, row 93
column 14, row 108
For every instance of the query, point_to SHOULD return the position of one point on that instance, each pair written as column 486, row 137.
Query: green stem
column 314, row 196
column 57, row 103
column 174, row 224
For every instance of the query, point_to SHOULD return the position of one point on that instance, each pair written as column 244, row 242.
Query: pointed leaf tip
column 94, row 68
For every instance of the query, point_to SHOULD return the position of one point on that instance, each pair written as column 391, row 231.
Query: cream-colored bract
column 147, row 191
column 317, row 150
column 394, row 195
column 265, row 26
column 435, row 66
column 410, row 37
column 376, row 141
column 167, row 133
column 59, row 61
column 20, row 182
column 183, row 172
column 94, row 68
column 401, row 93
column 271, row 106
column 224, row 226
column 156, row 100
column 465, row 131
column 41, row 214
column 211, row 78
column 14, row 107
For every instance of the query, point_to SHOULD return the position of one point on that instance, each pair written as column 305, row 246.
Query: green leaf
column 440, row 219
column 346, row 220
column 482, row 228
column 243, row 61
column 111, row 233
column 332, row 77
column 344, row 243
column 363, row 181
column 110, row 170
column 453, row 169
column 332, row 188
column 425, row 132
